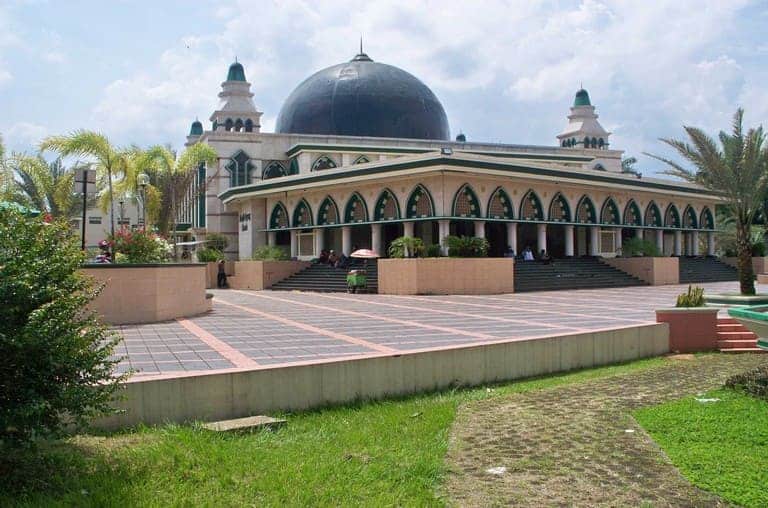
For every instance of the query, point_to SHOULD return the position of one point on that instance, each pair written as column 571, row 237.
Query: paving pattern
column 578, row 445
column 251, row 329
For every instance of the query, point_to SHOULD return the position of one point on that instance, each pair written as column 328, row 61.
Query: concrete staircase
column 732, row 337
column 323, row 278
column 573, row 273
column 705, row 269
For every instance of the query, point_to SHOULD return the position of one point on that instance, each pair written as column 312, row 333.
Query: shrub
column 140, row 246
column 694, row 297
column 758, row 249
column 209, row 255
column 640, row 247
column 56, row 366
column 406, row 247
column 466, row 246
column 216, row 241
column 753, row 382
column 433, row 251
column 270, row 253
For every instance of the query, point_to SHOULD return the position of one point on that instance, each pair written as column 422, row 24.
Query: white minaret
column 236, row 112
column 583, row 129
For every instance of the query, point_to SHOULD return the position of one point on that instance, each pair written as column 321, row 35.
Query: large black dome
column 364, row 98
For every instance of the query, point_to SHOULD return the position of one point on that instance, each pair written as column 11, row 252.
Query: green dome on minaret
column 196, row 129
column 582, row 99
column 236, row 72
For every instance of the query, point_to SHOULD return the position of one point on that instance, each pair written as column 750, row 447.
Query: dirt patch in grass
column 578, row 444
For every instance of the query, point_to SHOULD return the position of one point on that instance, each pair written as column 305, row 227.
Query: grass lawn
column 718, row 446
column 379, row 453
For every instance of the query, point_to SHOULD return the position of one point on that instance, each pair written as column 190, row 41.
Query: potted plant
column 692, row 326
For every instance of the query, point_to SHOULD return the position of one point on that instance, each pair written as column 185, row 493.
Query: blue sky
column 141, row 71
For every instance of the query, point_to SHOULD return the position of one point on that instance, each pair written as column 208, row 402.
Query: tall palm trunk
column 111, row 203
column 744, row 251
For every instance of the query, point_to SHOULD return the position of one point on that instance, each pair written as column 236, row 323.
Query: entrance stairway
column 323, row 278
column 732, row 337
column 573, row 273
column 705, row 270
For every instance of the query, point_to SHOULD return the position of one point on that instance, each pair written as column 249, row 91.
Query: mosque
column 362, row 154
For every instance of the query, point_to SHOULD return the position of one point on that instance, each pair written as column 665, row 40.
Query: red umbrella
column 364, row 254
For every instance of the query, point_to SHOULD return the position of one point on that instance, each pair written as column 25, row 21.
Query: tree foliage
column 57, row 365
column 466, row 246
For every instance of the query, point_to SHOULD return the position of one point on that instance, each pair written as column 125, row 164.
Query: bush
column 406, row 247
column 56, row 364
column 758, row 249
column 270, row 253
column 139, row 246
column 466, row 246
column 753, row 382
column 216, row 241
column 209, row 255
column 693, row 298
column 433, row 251
column 639, row 247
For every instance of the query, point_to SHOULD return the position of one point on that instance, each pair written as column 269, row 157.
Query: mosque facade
column 362, row 154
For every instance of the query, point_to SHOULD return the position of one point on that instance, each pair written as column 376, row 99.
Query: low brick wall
column 262, row 274
column 446, row 276
column 656, row 271
column 212, row 272
column 690, row 329
column 759, row 263
column 149, row 293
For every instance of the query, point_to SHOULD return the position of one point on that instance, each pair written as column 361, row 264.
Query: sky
column 505, row 71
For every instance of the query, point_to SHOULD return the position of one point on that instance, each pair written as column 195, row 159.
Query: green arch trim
column 675, row 215
column 380, row 203
column 474, row 203
column 566, row 207
column 274, row 217
column 691, row 221
column 610, row 207
column 322, row 213
column 348, row 209
column 417, row 193
column 273, row 170
column 302, row 206
column 591, row 210
column 632, row 207
column 531, row 195
column 655, row 218
column 707, row 220
column 510, row 209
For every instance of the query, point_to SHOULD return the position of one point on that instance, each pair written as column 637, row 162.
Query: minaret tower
column 583, row 129
column 236, row 112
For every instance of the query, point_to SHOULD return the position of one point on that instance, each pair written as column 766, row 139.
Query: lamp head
column 142, row 180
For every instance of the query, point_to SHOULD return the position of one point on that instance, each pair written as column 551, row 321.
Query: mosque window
column 599, row 167
column 652, row 215
column 465, row 204
column 689, row 218
column 559, row 210
column 500, row 206
column 293, row 168
column 419, row 204
column 239, row 125
column 323, row 162
column 707, row 221
column 239, row 168
column 215, row 125
column 329, row 212
column 632, row 214
column 610, row 213
column 672, row 217
column 361, row 160
column 586, row 142
column 273, row 170
column 356, row 210
column 585, row 211
column 249, row 125
column 594, row 142
column 600, row 143
column 302, row 215
column 530, row 207
column 387, row 207
column 228, row 125
column 279, row 217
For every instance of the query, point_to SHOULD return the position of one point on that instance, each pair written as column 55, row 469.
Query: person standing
column 221, row 279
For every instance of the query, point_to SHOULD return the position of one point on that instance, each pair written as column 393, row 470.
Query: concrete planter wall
column 149, row 293
column 446, row 276
column 656, row 271
column 262, row 274
column 759, row 263
column 212, row 272
column 691, row 329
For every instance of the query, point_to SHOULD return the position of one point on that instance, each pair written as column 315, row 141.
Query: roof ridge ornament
column 361, row 57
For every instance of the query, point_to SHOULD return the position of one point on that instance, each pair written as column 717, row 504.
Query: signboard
column 85, row 178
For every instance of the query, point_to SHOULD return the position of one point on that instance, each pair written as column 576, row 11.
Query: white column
column 710, row 243
column 444, row 228
column 271, row 238
column 695, row 243
column 512, row 236
column 319, row 241
column 294, row 243
column 376, row 245
column 346, row 240
column 594, row 241
column 617, row 239
column 660, row 240
column 639, row 233
column 542, row 237
column 480, row 229
column 568, row 241
column 678, row 243
column 408, row 228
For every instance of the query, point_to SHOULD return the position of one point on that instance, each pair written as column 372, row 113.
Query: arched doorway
column 496, row 234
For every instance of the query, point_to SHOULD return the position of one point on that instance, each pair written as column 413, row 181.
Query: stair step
column 743, row 350
column 737, row 344
column 741, row 335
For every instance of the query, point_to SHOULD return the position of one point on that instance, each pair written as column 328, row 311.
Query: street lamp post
column 143, row 181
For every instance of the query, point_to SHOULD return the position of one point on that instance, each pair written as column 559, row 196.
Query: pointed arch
column 356, row 209
column 609, row 213
column 500, row 205
column 530, row 207
column 465, row 203
column 323, row 162
column 419, row 204
column 707, row 220
column 239, row 168
column 361, row 160
column 690, row 221
column 273, row 170
column 559, row 209
column 652, row 215
column 585, row 211
column 278, row 219
column 632, row 216
column 387, row 207
column 671, row 217
column 328, row 213
column 302, row 214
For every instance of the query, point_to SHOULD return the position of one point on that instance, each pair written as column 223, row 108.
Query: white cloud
column 23, row 135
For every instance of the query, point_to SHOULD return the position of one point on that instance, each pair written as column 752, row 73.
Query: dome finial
column 361, row 44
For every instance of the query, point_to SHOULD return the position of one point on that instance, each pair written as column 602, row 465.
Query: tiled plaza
column 252, row 329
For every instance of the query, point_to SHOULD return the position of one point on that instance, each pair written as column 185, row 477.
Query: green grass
column 719, row 446
column 374, row 454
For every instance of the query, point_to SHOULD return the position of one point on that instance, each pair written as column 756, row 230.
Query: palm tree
column 6, row 176
column 111, row 162
column 49, row 187
column 737, row 170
